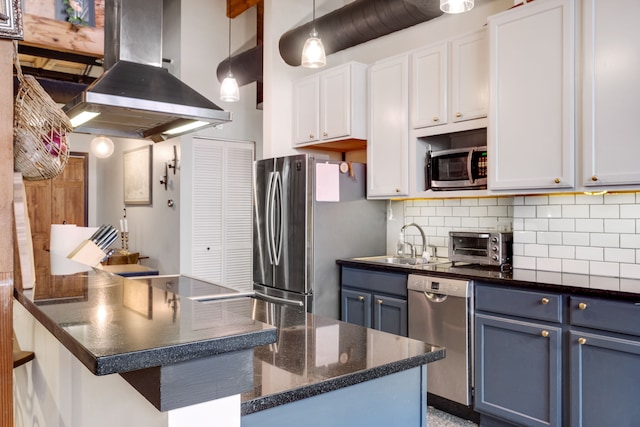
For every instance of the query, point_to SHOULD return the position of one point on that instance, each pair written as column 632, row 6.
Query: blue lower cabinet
column 374, row 299
column 518, row 370
column 604, row 380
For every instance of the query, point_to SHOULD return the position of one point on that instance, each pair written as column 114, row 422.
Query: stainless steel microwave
column 457, row 169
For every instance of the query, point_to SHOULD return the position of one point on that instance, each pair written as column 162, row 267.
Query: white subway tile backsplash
column 590, row 225
column 630, row 211
column 536, row 200
column 607, row 240
column 549, row 238
column 549, row 211
column 562, row 251
column 605, row 281
column 575, row 239
column 575, row 266
column 575, row 211
column 572, row 234
column 611, row 269
column 524, row 211
column 619, row 226
column 562, row 224
column 536, row 224
column 589, row 253
column 604, row 211
column 619, row 255
column 630, row 285
column 630, row 241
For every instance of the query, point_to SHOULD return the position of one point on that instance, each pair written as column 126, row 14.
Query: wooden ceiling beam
column 236, row 7
column 61, row 36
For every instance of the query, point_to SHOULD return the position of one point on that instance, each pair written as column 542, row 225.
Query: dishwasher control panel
column 438, row 285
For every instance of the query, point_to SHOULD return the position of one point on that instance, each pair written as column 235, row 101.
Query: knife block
column 87, row 253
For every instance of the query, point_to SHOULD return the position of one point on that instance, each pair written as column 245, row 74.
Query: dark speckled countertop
column 114, row 325
column 582, row 284
column 315, row 355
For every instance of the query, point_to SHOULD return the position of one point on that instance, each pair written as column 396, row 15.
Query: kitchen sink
column 404, row 261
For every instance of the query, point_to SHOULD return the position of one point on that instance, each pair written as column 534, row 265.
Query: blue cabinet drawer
column 516, row 302
column 615, row 316
column 375, row 281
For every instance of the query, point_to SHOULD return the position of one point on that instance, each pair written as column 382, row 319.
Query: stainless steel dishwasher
column 440, row 312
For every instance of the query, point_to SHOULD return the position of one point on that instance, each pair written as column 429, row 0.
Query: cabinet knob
column 397, row 190
column 325, row 134
column 458, row 115
column 582, row 306
column 360, row 298
column 544, row 300
column 379, row 301
column 544, row 333
column 594, row 178
column 436, row 119
column 557, row 180
column 582, row 341
column 311, row 136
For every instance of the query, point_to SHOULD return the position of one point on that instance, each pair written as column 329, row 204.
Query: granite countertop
column 583, row 284
column 315, row 355
column 113, row 324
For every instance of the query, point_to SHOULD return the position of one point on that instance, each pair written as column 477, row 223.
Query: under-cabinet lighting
column 83, row 117
column 184, row 128
column 456, row 6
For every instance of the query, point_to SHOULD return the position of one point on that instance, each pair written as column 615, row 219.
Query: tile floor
column 437, row 418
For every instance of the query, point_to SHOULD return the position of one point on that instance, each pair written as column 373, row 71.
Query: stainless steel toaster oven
column 481, row 247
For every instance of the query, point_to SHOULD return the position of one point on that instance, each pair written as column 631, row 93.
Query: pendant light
column 313, row 55
column 229, row 90
column 456, row 6
column 102, row 147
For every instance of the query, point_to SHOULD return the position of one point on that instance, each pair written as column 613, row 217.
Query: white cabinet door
column 335, row 100
column 531, row 119
column 306, row 110
column 429, row 86
column 469, row 77
column 387, row 149
column 611, row 92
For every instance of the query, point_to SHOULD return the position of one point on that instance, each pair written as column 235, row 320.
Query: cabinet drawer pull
column 544, row 301
column 436, row 119
column 397, row 190
column 582, row 341
column 458, row 115
column 582, row 306
column 360, row 298
column 325, row 134
column 544, row 333
column 557, row 180
column 594, row 178
column 311, row 136
column 379, row 301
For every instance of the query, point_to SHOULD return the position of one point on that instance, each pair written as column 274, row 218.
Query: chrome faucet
column 424, row 239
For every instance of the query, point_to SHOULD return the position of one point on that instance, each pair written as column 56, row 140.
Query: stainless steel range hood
column 136, row 97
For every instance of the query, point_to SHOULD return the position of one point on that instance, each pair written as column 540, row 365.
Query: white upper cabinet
column 611, row 92
column 387, row 148
column 330, row 105
column 450, row 83
column 531, row 135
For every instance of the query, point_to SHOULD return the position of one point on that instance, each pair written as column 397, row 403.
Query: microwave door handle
column 469, row 168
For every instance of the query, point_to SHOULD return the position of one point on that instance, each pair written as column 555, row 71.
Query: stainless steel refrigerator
column 307, row 214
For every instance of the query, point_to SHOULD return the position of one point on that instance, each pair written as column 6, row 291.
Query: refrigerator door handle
column 271, row 298
column 269, row 219
column 278, row 204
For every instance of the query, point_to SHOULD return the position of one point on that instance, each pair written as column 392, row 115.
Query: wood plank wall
column 6, row 233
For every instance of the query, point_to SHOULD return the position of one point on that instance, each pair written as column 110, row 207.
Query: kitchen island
column 185, row 350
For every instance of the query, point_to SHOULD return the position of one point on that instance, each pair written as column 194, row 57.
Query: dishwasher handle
column 435, row 297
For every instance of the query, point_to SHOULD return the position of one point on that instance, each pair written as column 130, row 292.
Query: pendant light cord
column 230, row 44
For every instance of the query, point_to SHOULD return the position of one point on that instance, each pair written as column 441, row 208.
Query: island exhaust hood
column 136, row 97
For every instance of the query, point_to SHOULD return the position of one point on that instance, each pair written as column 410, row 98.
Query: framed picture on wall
column 137, row 176
column 11, row 19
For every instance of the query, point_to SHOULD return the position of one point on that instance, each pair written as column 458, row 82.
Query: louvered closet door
column 221, row 212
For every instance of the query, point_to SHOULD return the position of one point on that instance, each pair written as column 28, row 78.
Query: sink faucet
column 424, row 239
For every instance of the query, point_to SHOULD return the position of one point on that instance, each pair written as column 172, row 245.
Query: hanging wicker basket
column 40, row 129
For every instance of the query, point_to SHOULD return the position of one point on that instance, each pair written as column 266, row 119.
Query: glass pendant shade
column 456, row 6
column 229, row 90
column 102, row 147
column 313, row 55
